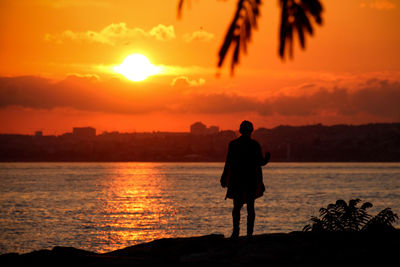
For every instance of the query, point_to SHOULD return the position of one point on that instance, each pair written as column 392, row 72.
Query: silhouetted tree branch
column 296, row 15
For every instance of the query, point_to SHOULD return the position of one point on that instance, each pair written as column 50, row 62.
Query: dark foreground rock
column 293, row 249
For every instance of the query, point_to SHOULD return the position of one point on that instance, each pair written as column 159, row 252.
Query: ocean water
column 107, row 206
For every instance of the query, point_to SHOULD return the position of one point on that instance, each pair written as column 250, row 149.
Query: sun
column 136, row 67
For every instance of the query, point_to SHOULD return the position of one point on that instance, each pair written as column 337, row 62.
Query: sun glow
column 136, row 67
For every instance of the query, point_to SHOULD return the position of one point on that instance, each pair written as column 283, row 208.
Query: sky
column 58, row 59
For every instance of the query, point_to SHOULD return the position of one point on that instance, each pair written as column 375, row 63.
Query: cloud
column 92, row 77
column 201, row 35
column 114, row 34
column 183, row 81
column 162, row 32
column 376, row 97
column 379, row 4
column 79, row 92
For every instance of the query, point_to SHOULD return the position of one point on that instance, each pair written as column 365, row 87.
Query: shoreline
column 277, row 249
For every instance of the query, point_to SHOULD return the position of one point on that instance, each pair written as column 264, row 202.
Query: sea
column 107, row 206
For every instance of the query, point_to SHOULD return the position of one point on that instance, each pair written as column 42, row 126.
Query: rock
column 292, row 249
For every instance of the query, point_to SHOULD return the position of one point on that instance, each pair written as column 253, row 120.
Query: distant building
column 84, row 132
column 200, row 128
column 229, row 134
column 38, row 133
column 213, row 130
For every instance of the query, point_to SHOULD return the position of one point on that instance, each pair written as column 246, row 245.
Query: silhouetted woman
column 243, row 176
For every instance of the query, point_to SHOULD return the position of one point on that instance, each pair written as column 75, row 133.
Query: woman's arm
column 263, row 159
column 227, row 168
column 266, row 158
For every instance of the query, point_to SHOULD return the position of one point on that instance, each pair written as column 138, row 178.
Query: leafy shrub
column 343, row 217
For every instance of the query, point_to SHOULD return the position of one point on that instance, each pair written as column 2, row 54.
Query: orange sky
column 57, row 58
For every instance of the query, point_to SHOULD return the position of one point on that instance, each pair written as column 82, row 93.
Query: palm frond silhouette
column 343, row 217
column 296, row 16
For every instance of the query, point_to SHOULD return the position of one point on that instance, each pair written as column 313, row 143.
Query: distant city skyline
column 370, row 142
column 197, row 127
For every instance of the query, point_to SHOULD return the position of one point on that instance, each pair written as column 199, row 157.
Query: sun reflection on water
column 135, row 206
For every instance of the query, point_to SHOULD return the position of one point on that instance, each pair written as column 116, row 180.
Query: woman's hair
column 246, row 128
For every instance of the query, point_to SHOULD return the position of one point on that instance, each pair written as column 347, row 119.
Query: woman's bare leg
column 237, row 206
column 251, row 216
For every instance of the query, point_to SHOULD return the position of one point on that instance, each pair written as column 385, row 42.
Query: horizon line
column 189, row 132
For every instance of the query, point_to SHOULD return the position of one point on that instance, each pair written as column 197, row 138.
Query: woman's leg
column 237, row 206
column 251, row 216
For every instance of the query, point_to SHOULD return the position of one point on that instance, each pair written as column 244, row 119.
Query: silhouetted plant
column 383, row 221
column 296, row 16
column 343, row 217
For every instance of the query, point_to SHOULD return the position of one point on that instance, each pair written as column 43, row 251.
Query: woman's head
column 246, row 128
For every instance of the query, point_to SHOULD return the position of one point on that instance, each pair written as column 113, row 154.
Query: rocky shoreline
column 291, row 249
